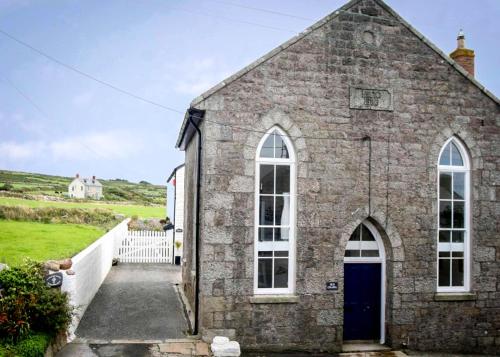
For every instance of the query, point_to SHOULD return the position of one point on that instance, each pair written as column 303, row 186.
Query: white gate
column 146, row 247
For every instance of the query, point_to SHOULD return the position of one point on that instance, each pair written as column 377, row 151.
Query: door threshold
column 363, row 346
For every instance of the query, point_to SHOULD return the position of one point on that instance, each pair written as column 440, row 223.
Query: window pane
column 444, row 272
column 265, row 273
column 369, row 253
column 265, row 234
column 459, row 185
column 445, row 185
column 456, row 158
column 281, row 253
column 266, row 254
column 266, row 211
column 281, row 234
column 444, row 254
column 457, row 254
column 457, row 272
column 283, row 211
column 445, row 214
column 444, row 236
column 366, row 234
column 282, row 179
column 281, row 151
column 267, row 179
column 281, row 273
column 268, row 147
column 352, row 253
column 458, row 215
column 458, row 237
column 356, row 235
column 445, row 156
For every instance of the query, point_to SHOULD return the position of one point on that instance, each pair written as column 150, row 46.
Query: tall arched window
column 275, row 215
column 454, row 218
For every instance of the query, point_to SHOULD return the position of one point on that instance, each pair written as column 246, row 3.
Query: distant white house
column 177, row 179
column 85, row 188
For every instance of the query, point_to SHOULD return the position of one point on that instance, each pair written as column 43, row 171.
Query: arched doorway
column 364, row 285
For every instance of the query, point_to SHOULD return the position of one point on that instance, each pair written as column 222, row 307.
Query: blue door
column 362, row 288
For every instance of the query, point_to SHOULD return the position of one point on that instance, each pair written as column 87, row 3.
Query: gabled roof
column 308, row 31
column 324, row 21
column 174, row 171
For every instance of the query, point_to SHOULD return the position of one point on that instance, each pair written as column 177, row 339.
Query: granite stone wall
column 305, row 89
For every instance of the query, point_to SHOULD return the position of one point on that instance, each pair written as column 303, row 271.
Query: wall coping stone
column 455, row 296
column 274, row 299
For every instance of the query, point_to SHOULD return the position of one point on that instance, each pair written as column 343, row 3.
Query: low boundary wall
column 91, row 266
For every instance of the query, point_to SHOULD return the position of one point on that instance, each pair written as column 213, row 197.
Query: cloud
column 93, row 146
column 109, row 145
column 194, row 76
column 18, row 151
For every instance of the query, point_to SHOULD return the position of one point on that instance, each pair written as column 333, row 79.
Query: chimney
column 93, row 179
column 77, row 175
column 463, row 56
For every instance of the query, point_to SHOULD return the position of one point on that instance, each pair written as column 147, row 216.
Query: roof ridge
column 319, row 24
column 272, row 53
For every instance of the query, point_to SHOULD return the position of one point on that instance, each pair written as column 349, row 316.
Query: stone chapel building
column 346, row 187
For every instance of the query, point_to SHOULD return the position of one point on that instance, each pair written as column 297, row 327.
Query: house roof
column 322, row 22
column 87, row 181
column 309, row 30
column 174, row 171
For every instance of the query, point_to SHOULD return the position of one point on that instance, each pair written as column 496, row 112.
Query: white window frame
column 380, row 259
column 467, row 217
column 291, row 162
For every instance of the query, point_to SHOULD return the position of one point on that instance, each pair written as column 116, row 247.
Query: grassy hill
column 117, row 190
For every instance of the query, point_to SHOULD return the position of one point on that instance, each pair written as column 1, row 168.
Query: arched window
column 454, row 212
column 275, row 215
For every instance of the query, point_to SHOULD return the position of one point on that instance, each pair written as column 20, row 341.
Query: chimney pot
column 462, row 55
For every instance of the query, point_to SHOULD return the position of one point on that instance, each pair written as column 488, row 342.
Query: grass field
column 125, row 209
column 42, row 242
column 114, row 190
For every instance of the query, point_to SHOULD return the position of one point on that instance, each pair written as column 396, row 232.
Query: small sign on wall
column 54, row 280
column 332, row 285
column 178, row 230
column 370, row 98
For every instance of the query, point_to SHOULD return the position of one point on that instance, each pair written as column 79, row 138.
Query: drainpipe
column 369, row 139
column 193, row 112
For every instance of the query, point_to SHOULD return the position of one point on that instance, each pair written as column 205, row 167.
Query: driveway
column 135, row 302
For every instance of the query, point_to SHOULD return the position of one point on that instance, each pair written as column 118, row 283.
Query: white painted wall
column 76, row 189
column 179, row 208
column 91, row 266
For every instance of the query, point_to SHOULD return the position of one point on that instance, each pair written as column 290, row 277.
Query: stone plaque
column 370, row 98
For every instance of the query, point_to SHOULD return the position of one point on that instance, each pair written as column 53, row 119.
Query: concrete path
column 135, row 302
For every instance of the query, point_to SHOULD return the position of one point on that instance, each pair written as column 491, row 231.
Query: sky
column 56, row 121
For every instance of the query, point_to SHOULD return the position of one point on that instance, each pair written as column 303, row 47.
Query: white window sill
column 274, row 299
column 452, row 296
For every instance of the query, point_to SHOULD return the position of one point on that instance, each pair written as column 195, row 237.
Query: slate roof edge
column 439, row 51
column 174, row 171
column 322, row 22
column 272, row 53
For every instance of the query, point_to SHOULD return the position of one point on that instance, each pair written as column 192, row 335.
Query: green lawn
column 42, row 242
column 125, row 209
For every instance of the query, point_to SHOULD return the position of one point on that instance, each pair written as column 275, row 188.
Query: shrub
column 27, row 305
column 6, row 187
column 96, row 216
column 33, row 345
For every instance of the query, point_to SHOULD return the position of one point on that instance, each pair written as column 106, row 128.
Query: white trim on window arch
column 291, row 162
column 380, row 259
column 451, row 247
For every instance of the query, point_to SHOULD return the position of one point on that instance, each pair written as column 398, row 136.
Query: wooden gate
column 146, row 247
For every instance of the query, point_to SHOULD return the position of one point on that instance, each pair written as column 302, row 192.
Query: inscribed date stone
column 369, row 98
